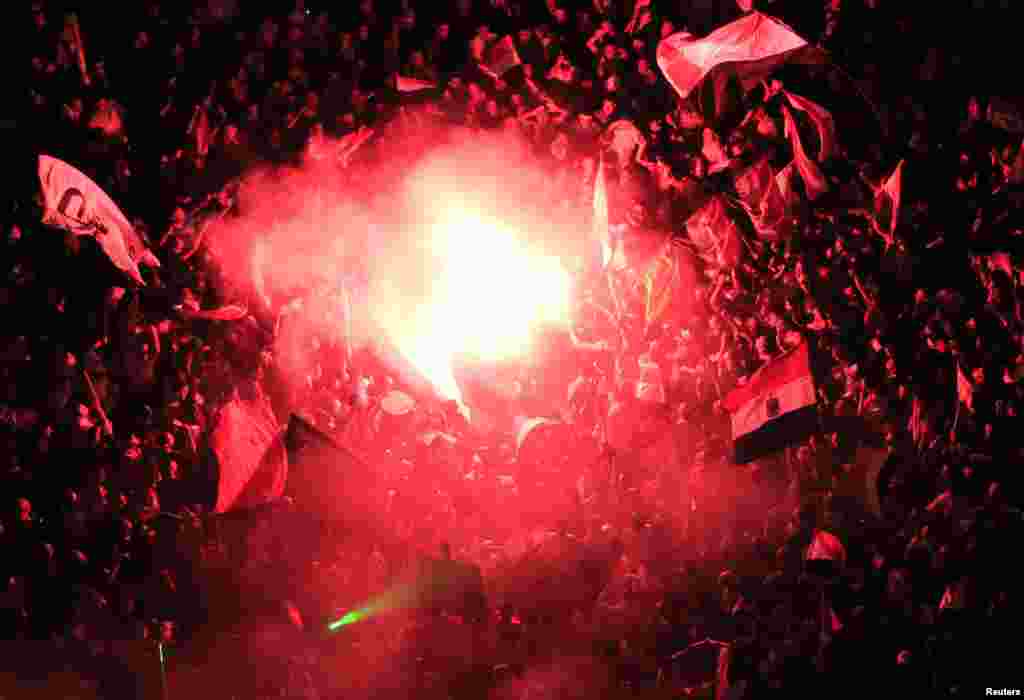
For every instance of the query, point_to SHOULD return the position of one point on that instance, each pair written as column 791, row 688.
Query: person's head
column 23, row 510
column 561, row 16
column 612, row 84
column 444, row 31
column 364, row 32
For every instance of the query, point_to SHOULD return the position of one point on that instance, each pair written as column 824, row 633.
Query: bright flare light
column 489, row 296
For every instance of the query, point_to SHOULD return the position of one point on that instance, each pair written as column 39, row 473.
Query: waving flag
column 775, row 408
column 501, row 57
column 814, row 180
column 229, row 312
column 251, row 455
column 600, row 229
column 768, row 199
column 624, row 139
column 77, row 204
column 887, row 203
column 752, row 46
column 822, row 120
column 714, row 233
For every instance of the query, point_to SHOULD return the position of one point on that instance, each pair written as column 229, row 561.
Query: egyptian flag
column 775, row 408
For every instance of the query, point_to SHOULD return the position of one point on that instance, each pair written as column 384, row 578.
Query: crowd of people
column 110, row 392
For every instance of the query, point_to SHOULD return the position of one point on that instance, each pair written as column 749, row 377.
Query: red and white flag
column 251, row 455
column 752, row 46
column 775, row 408
column 75, row 203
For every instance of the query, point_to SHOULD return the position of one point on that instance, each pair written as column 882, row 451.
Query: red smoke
column 456, row 232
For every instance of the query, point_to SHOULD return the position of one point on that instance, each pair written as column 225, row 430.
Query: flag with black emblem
column 775, row 408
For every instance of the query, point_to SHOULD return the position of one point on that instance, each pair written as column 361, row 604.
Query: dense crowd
column 110, row 393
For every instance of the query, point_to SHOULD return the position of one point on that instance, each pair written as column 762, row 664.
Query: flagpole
column 164, row 691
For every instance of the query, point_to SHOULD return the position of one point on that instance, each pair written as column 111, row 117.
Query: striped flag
column 752, row 46
column 775, row 408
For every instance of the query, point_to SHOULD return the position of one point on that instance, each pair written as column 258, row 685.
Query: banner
column 775, row 408
column 75, row 203
column 752, row 46
column 249, row 447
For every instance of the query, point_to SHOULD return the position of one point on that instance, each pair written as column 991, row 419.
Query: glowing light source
column 489, row 295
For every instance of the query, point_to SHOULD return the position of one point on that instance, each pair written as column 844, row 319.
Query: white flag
column 77, row 204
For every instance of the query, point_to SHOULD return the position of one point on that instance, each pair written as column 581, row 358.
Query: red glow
column 459, row 241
